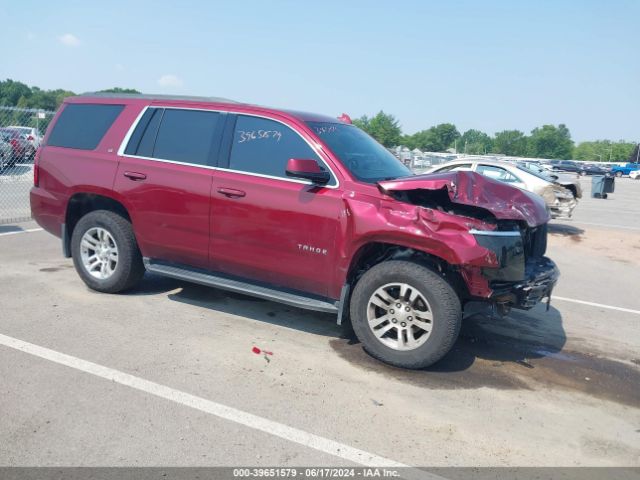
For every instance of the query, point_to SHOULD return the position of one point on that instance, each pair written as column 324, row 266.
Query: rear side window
column 186, row 136
column 82, row 125
column 144, row 136
column 264, row 146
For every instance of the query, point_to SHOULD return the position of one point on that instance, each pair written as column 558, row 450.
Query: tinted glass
column 265, row 146
column 149, row 133
column 365, row 158
column 83, row 125
column 186, row 136
column 136, row 136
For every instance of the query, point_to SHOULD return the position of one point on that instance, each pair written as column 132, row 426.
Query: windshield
column 366, row 159
column 535, row 172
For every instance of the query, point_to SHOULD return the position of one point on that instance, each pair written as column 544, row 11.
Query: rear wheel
column 583, row 173
column 618, row 174
column 405, row 314
column 105, row 252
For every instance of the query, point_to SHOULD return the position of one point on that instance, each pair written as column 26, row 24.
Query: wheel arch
column 375, row 252
column 82, row 203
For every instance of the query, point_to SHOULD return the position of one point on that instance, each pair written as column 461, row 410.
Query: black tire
column 619, row 174
column 129, row 269
column 582, row 173
column 442, row 298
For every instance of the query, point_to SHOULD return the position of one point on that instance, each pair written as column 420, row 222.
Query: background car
column 31, row 135
column 559, row 199
column 567, row 180
column 21, row 148
column 6, row 153
column 635, row 175
column 580, row 168
column 619, row 171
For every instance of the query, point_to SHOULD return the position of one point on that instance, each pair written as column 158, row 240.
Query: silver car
column 560, row 200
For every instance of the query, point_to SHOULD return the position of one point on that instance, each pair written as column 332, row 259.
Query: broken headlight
column 509, row 250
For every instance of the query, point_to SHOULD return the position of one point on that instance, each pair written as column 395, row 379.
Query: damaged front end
column 524, row 275
column 560, row 200
column 501, row 250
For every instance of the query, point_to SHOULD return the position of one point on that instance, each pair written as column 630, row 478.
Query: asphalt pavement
column 166, row 375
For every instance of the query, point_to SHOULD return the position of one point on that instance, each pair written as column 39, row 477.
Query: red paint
column 256, row 350
column 301, row 165
column 185, row 214
column 344, row 118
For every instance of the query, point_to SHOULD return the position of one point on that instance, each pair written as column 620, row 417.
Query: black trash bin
column 601, row 186
column 609, row 184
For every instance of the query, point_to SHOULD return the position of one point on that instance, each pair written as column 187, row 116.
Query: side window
column 264, row 146
column 144, row 135
column 497, row 173
column 82, row 125
column 186, row 136
column 149, row 133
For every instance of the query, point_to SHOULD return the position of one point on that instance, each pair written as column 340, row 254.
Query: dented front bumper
column 563, row 208
column 522, row 276
column 541, row 276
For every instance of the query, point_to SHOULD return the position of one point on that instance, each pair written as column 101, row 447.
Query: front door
column 266, row 226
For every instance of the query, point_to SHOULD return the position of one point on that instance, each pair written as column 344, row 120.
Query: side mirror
column 307, row 169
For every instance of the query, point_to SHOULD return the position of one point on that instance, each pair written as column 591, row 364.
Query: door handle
column 231, row 192
column 135, row 176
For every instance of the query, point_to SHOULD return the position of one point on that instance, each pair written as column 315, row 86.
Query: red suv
column 293, row 207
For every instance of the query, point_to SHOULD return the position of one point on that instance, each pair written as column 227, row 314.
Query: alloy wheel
column 400, row 316
column 99, row 253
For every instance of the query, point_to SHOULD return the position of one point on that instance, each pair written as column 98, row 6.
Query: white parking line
column 593, row 304
column 231, row 414
column 21, row 231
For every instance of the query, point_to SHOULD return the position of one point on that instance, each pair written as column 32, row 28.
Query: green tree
column 436, row 139
column 12, row 92
column 510, row 142
column 475, row 142
column 119, row 90
column 17, row 94
column 603, row 150
column 550, row 141
column 383, row 127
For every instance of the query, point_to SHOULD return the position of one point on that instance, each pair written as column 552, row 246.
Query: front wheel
column 105, row 252
column 405, row 314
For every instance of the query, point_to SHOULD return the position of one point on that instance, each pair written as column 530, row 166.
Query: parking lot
column 166, row 375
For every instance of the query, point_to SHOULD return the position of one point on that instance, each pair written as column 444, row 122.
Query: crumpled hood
column 471, row 188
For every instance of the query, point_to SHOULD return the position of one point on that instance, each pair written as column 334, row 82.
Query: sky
column 488, row 65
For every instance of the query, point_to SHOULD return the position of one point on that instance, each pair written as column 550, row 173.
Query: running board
column 238, row 286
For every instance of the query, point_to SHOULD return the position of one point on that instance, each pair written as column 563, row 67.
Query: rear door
column 265, row 225
column 165, row 174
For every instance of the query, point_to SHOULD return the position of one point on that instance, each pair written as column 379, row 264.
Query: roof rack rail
column 147, row 96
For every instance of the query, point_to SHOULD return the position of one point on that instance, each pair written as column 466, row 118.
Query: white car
column 31, row 135
column 561, row 200
column 635, row 175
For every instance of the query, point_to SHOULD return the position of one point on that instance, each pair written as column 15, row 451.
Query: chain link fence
column 21, row 131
